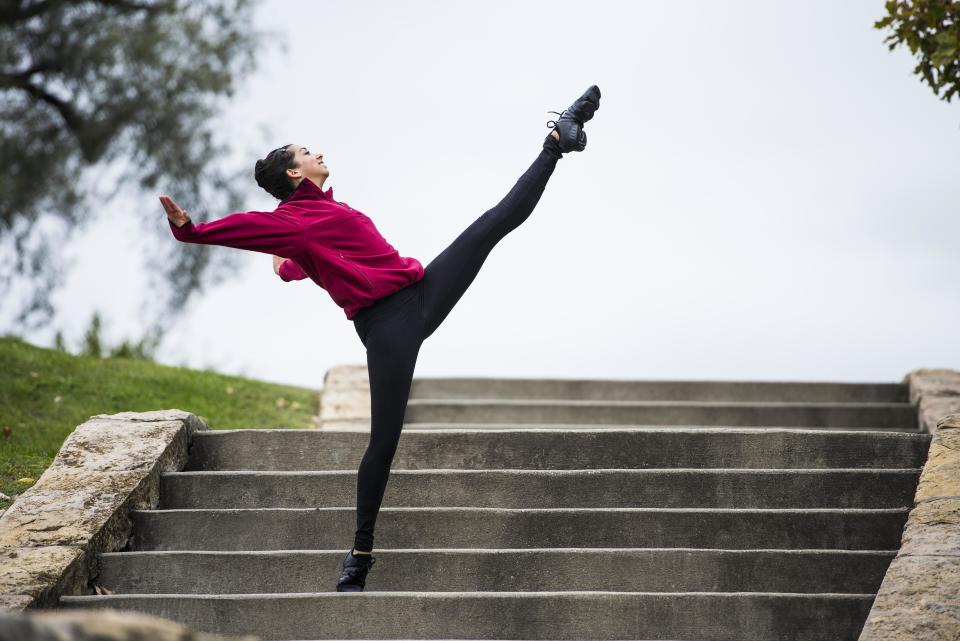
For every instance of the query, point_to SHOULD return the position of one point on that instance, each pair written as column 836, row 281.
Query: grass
column 45, row 393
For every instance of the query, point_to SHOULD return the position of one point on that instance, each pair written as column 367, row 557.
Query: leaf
column 945, row 39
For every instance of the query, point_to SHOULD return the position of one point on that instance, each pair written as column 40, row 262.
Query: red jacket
column 338, row 247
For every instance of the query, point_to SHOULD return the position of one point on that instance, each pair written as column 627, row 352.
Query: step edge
column 758, row 471
column 438, row 594
column 519, row 428
column 540, row 402
column 718, row 510
column 493, row 551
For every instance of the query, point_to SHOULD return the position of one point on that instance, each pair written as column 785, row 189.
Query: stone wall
column 919, row 598
column 345, row 403
column 936, row 393
column 80, row 505
column 100, row 624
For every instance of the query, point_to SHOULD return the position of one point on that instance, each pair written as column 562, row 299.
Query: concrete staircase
column 545, row 510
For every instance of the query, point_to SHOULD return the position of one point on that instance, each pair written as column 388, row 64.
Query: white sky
column 767, row 193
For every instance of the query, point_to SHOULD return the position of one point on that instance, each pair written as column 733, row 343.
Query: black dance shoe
column 353, row 572
column 570, row 123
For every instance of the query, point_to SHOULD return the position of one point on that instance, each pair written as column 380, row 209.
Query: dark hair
column 270, row 172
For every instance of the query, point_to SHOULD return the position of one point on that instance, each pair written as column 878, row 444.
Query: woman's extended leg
column 448, row 275
column 393, row 343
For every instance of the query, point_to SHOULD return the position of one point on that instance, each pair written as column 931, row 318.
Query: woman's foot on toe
column 353, row 572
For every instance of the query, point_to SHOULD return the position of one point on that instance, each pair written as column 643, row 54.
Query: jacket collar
column 308, row 190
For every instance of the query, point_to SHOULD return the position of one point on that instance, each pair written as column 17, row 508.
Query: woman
column 395, row 303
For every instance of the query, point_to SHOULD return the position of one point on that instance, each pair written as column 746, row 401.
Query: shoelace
column 553, row 123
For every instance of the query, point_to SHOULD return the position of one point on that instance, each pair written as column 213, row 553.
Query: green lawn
column 46, row 393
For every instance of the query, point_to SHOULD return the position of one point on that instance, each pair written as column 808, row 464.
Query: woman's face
column 307, row 165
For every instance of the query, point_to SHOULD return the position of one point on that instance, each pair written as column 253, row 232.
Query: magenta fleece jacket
column 334, row 245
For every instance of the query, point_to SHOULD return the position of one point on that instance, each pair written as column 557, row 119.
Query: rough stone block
column 346, row 377
column 101, row 624
column 934, row 408
column 936, row 393
column 15, row 602
column 101, row 445
column 933, row 527
column 80, row 506
column 345, row 402
column 75, row 506
column 41, row 574
column 941, row 473
column 932, row 382
column 919, row 600
column 949, row 422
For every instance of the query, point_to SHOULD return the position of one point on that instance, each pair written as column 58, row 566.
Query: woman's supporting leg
column 448, row 275
column 393, row 344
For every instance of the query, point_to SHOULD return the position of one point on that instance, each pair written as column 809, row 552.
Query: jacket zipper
column 359, row 271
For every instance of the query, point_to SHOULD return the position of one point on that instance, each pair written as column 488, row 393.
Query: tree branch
column 73, row 121
column 16, row 78
column 163, row 5
column 10, row 15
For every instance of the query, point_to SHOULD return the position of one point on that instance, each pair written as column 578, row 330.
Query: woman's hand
column 176, row 215
column 276, row 263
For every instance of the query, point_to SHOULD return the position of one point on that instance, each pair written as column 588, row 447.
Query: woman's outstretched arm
column 253, row 230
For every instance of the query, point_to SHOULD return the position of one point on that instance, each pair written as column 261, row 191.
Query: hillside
column 46, row 393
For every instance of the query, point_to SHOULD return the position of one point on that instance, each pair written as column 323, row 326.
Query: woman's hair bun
column 270, row 173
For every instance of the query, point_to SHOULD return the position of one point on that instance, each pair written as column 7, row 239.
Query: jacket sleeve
column 253, row 230
column 289, row 270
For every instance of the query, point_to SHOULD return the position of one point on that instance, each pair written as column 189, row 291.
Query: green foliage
column 58, row 343
column 931, row 30
column 132, row 87
column 91, row 338
column 46, row 393
column 93, row 343
column 143, row 349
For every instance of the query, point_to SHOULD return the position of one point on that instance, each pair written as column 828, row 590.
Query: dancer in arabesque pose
column 395, row 303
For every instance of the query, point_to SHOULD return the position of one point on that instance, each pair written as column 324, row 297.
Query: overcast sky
column 767, row 193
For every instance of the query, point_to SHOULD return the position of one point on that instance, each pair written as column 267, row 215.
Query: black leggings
column 393, row 328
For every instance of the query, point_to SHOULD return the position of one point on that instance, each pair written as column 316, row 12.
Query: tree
column 125, row 91
column 931, row 30
column 92, row 342
column 94, row 345
column 58, row 343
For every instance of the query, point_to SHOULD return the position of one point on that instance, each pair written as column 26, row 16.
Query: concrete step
column 768, row 414
column 510, row 615
column 674, row 488
column 438, row 527
column 360, row 427
column 503, row 570
column 625, row 448
column 626, row 390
